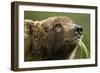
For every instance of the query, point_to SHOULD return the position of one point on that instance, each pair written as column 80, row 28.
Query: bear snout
column 78, row 30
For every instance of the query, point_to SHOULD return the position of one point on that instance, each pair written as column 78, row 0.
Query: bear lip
column 74, row 39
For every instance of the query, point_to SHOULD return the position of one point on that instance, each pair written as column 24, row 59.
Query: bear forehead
column 63, row 21
column 56, row 19
column 62, row 18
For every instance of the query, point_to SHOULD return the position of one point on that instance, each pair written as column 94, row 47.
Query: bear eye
column 58, row 25
column 57, row 28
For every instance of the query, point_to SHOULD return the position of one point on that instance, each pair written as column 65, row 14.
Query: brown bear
column 54, row 38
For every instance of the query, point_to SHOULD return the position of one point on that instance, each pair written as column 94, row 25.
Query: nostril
column 79, row 30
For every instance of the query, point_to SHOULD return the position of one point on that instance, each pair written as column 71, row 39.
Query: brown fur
column 49, row 39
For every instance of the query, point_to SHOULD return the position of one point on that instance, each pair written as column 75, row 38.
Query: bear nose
column 79, row 30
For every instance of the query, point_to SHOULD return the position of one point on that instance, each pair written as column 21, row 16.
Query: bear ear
column 28, row 22
column 28, row 26
column 57, row 28
column 36, row 23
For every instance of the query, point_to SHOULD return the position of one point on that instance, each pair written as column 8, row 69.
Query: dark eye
column 58, row 25
column 57, row 28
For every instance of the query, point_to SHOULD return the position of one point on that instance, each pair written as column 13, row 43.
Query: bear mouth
column 74, row 40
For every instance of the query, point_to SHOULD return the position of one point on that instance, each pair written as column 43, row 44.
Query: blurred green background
column 78, row 18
